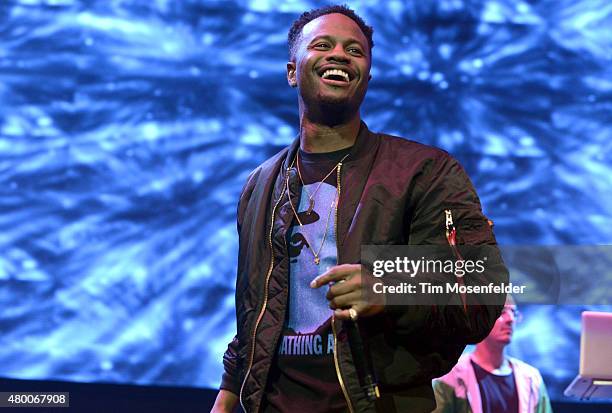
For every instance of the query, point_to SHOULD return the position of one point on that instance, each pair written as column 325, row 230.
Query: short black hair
column 296, row 29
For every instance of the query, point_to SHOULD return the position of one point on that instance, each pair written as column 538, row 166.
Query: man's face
column 332, row 63
column 504, row 326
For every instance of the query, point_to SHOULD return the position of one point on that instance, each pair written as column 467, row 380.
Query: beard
column 332, row 110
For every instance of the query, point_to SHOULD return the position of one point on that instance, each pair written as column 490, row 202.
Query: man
column 302, row 218
column 488, row 381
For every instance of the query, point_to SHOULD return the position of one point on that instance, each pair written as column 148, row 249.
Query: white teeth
column 338, row 72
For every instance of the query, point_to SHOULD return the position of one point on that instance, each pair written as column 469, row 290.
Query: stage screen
column 127, row 129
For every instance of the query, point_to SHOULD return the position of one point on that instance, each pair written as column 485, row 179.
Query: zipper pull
column 451, row 232
column 451, row 237
column 449, row 219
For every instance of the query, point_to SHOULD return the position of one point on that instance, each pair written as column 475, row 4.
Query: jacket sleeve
column 544, row 400
column 444, row 185
column 232, row 360
column 445, row 397
column 231, row 363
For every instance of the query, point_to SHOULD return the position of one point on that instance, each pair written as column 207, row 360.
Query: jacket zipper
column 451, row 237
column 265, row 302
column 336, row 362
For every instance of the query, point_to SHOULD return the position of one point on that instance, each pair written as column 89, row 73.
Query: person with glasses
column 489, row 381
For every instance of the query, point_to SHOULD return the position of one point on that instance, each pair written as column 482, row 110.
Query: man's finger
column 335, row 274
column 342, row 314
column 346, row 315
column 345, row 300
column 341, row 288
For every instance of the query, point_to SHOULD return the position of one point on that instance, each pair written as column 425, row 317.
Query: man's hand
column 346, row 291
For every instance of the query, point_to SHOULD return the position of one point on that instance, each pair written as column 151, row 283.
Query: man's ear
column 369, row 77
column 291, row 76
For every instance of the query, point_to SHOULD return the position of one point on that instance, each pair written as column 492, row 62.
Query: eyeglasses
column 517, row 316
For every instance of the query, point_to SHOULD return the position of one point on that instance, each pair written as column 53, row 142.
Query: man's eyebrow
column 350, row 40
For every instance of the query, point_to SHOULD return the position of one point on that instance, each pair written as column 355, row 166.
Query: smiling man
column 303, row 216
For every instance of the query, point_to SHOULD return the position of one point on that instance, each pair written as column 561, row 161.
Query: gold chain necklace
column 317, row 258
column 311, row 201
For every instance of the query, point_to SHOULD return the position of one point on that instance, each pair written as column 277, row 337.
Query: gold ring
column 353, row 314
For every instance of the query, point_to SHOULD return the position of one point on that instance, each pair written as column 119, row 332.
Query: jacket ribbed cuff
column 230, row 383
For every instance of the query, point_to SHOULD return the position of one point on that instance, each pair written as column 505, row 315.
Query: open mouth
column 335, row 76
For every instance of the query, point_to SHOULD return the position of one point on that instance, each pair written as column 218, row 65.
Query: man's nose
column 508, row 317
column 511, row 318
column 338, row 53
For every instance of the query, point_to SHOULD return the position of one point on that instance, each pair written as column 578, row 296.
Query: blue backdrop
column 127, row 129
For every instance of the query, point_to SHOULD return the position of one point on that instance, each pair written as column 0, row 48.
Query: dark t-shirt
column 303, row 375
column 498, row 393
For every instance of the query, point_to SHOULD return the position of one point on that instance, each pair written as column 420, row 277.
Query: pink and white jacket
column 458, row 391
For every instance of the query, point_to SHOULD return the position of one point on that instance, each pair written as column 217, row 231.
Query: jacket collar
column 354, row 174
column 467, row 379
column 362, row 147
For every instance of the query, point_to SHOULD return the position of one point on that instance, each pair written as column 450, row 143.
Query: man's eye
column 355, row 50
column 321, row 45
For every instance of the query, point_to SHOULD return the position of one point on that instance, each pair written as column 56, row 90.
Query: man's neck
column 491, row 358
column 318, row 138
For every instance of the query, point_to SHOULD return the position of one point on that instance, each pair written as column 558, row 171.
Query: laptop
column 594, row 381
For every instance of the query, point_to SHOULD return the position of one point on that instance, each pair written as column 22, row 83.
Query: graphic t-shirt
column 498, row 393
column 303, row 375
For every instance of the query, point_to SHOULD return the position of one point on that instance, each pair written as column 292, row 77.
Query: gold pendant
column 317, row 260
column 310, row 206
